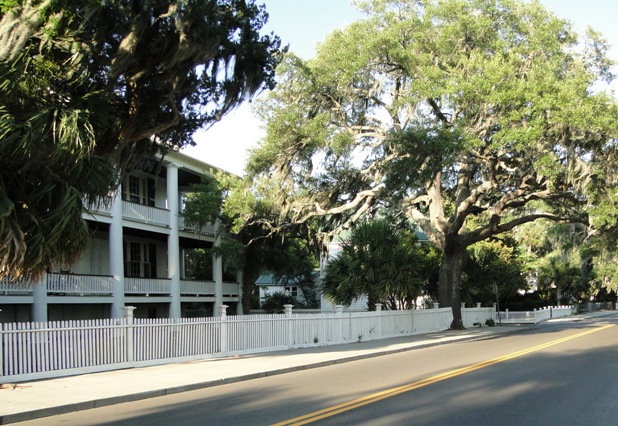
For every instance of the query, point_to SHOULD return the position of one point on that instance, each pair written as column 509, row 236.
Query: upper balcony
column 155, row 216
column 101, row 285
column 145, row 214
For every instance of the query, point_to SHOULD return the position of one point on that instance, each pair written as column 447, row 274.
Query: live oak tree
column 90, row 89
column 471, row 117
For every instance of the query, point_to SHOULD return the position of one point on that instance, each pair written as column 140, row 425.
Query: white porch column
column 217, row 267
column 183, row 267
column 116, row 257
column 173, row 243
column 39, row 297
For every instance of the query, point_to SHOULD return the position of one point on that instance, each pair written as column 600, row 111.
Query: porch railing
column 231, row 289
column 77, row 284
column 147, row 286
column 16, row 287
column 145, row 214
column 197, row 288
column 208, row 229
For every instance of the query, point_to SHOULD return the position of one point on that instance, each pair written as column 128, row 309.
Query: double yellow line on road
column 369, row 399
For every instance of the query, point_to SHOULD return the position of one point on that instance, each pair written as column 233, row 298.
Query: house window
column 291, row 291
column 140, row 190
column 140, row 260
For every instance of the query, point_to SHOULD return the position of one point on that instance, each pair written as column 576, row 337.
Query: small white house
column 267, row 284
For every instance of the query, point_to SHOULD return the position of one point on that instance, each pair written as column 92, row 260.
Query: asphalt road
column 562, row 373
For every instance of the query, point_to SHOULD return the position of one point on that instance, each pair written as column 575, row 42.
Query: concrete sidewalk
column 43, row 398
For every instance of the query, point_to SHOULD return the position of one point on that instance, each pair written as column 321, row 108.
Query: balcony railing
column 59, row 284
column 147, row 286
column 155, row 216
column 208, row 229
column 76, row 284
column 145, row 214
column 197, row 288
column 16, row 287
column 231, row 289
column 100, row 209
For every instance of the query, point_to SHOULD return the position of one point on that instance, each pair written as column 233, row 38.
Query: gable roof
column 269, row 279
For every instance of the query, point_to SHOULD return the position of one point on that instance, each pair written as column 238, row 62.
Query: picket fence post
column 128, row 320
column 288, row 314
column 379, row 313
column 339, row 314
column 222, row 313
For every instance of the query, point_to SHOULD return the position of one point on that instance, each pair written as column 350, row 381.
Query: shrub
column 273, row 303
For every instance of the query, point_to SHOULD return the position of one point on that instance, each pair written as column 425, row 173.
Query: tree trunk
column 449, row 283
column 248, row 285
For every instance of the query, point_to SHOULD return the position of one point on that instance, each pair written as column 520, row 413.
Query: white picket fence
column 30, row 351
column 535, row 316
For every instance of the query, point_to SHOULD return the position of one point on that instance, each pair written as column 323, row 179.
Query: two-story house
column 136, row 258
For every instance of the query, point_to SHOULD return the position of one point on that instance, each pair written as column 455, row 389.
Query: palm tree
column 379, row 261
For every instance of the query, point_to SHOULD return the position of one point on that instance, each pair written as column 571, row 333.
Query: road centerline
column 378, row 396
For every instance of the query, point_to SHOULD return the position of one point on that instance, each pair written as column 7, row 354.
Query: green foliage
column 91, row 89
column 490, row 265
column 560, row 279
column 284, row 251
column 560, row 258
column 471, row 118
column 311, row 299
column 527, row 302
column 273, row 302
column 203, row 202
column 198, row 264
column 379, row 261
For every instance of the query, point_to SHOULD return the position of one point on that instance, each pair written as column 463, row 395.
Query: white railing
column 231, row 289
column 100, row 209
column 535, row 316
column 208, row 229
column 207, row 288
column 75, row 284
column 145, row 214
column 16, row 287
column 197, row 288
column 146, row 286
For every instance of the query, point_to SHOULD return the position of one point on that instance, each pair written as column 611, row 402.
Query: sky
column 302, row 24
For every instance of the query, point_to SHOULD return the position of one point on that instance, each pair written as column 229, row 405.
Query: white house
column 136, row 258
column 267, row 284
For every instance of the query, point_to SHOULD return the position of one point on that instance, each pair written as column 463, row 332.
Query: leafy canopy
column 93, row 88
column 470, row 117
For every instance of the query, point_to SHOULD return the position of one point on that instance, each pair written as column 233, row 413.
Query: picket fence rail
column 31, row 351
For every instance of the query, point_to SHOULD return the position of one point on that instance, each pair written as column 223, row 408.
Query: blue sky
column 303, row 23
